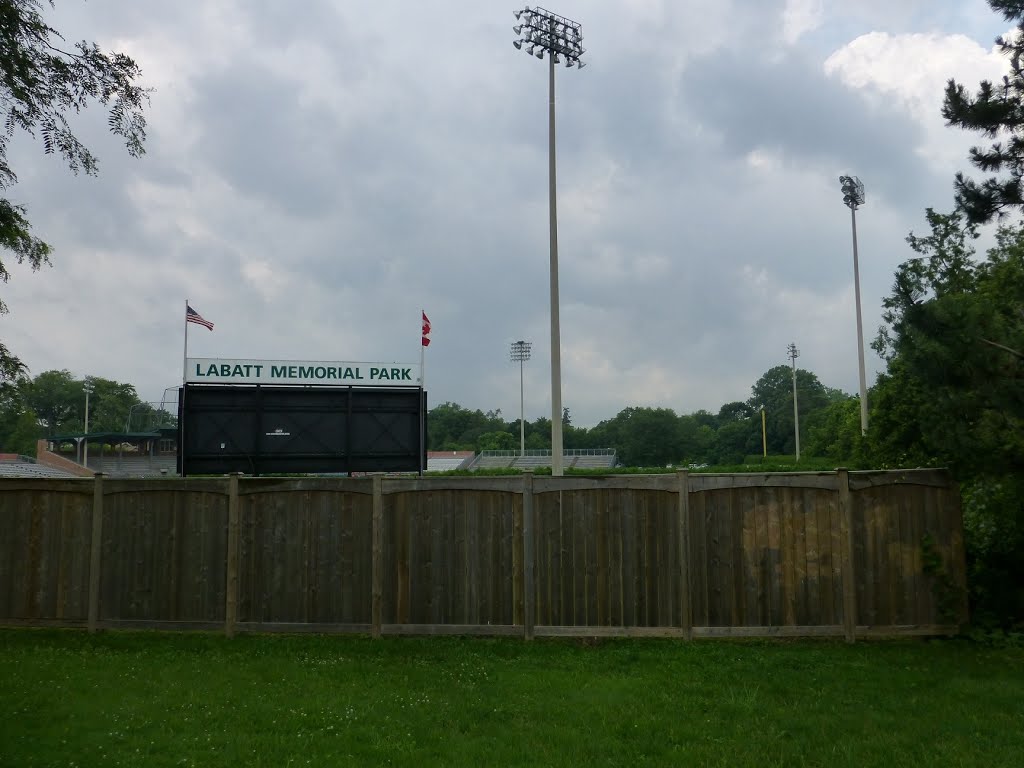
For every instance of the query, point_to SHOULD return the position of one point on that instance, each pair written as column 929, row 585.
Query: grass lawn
column 154, row 699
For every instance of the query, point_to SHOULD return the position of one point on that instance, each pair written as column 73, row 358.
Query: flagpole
column 184, row 357
column 181, row 407
column 423, row 388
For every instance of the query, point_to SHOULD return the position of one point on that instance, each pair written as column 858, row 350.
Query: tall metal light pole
column 853, row 196
column 520, row 352
column 540, row 31
column 794, row 353
column 88, row 389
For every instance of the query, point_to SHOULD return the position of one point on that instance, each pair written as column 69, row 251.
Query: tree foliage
column 996, row 112
column 43, row 80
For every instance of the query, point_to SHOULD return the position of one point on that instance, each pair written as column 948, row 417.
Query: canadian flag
column 426, row 330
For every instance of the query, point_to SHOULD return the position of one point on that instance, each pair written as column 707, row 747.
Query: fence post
column 685, row 615
column 95, row 551
column 528, row 590
column 231, row 576
column 377, row 572
column 846, row 556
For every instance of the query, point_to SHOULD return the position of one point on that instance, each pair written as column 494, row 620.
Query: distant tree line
column 653, row 437
column 53, row 403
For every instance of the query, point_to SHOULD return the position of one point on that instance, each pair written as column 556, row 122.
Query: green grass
column 71, row 699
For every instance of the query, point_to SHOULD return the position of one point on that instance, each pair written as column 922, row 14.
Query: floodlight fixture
column 853, row 197
column 853, row 191
column 555, row 34
column 519, row 352
column 561, row 38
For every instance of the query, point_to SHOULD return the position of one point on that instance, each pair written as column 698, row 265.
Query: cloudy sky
column 318, row 172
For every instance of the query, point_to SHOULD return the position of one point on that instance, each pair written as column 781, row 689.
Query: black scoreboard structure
column 264, row 429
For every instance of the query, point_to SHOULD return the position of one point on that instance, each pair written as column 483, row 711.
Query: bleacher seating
column 597, row 458
column 440, row 461
column 24, row 467
column 133, row 465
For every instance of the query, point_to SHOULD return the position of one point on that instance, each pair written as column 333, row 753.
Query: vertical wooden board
column 737, row 515
column 863, row 557
column 362, row 558
column 787, row 555
column 728, row 569
column 512, row 544
column 762, row 511
column 420, row 554
column 905, row 547
column 249, row 570
column 474, row 514
column 779, row 499
column 50, row 556
column 399, row 563
column 565, row 563
column 801, row 596
column 714, row 509
column 76, row 554
column 113, row 558
column 497, row 576
column 602, row 603
column 479, row 570
column 932, row 516
column 627, row 553
column 813, row 555
column 13, row 535
column 440, row 559
column 574, row 503
column 836, row 548
column 643, row 572
column 826, row 504
column 389, row 545
column 553, row 526
column 653, row 551
column 613, row 530
column 894, row 555
column 349, row 542
column 215, row 537
column 501, row 561
column 912, row 529
column 517, row 550
column 698, row 559
column 327, row 566
column 668, row 564
column 882, row 511
column 596, row 581
column 287, row 541
column 459, row 566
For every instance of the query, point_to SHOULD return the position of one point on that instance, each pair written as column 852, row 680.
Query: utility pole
column 794, row 353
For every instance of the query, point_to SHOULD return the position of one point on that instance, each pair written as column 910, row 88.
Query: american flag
column 191, row 316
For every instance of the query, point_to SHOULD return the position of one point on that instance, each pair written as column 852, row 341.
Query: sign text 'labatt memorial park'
column 304, row 373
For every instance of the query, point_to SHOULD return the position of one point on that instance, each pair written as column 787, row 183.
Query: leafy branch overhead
column 43, row 80
column 997, row 112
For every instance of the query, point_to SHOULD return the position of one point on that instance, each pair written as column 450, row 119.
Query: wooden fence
column 836, row 553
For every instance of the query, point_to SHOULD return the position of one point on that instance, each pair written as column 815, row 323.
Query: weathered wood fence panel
column 607, row 557
column 162, row 552
column 45, row 528
column 833, row 553
column 304, row 553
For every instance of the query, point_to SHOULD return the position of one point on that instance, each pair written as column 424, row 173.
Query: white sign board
column 206, row 370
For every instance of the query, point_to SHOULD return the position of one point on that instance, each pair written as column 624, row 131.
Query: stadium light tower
column 520, row 352
column 88, row 388
column 853, row 197
column 794, row 353
column 541, row 30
